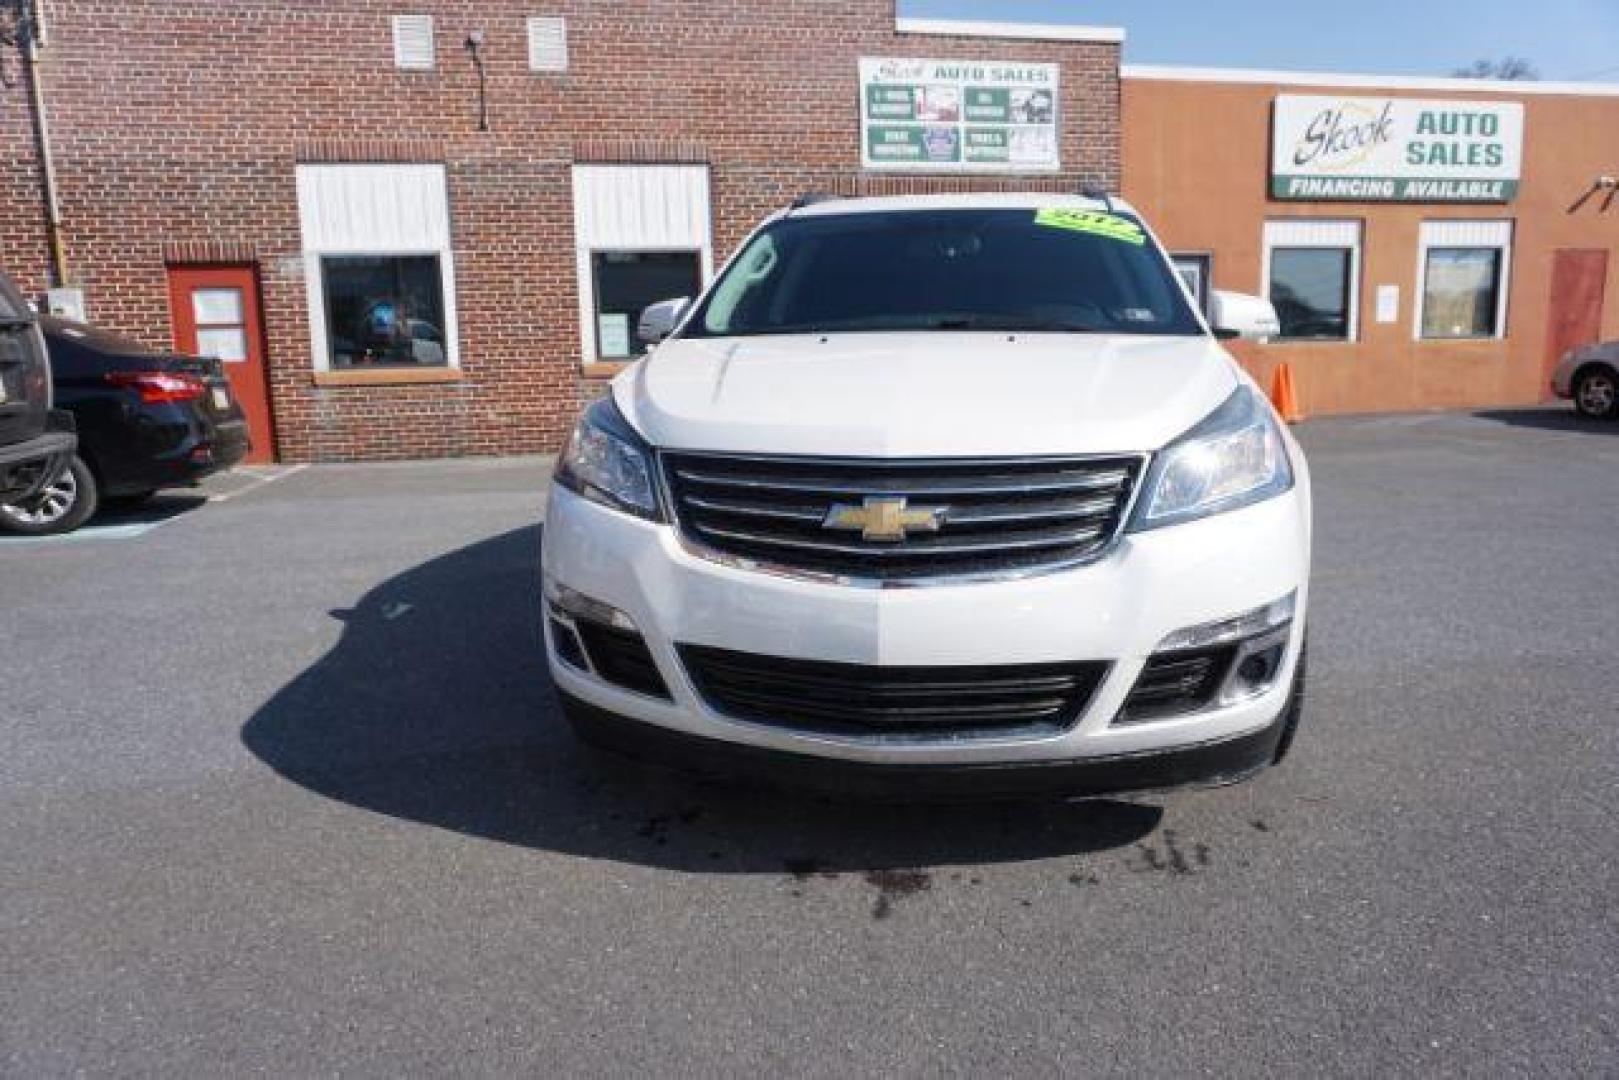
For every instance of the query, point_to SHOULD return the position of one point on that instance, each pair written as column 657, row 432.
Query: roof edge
column 1520, row 87
column 1113, row 35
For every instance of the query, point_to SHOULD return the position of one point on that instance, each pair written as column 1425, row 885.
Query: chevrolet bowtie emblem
column 884, row 517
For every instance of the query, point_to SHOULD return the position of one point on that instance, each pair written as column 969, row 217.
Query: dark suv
column 36, row 441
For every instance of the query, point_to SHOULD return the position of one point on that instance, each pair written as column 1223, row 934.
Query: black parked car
column 35, row 440
column 146, row 420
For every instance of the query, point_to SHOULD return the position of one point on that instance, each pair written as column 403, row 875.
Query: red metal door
column 216, row 313
column 1579, row 279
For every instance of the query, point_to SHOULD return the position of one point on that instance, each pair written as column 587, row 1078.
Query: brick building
column 426, row 227
column 428, row 284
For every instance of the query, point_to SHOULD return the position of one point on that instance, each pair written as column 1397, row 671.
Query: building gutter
column 33, row 38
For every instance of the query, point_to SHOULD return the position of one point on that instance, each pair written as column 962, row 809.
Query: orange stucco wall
column 1197, row 164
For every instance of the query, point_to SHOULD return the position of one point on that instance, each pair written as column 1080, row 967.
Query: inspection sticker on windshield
column 1094, row 222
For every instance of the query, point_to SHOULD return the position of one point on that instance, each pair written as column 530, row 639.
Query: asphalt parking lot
column 284, row 789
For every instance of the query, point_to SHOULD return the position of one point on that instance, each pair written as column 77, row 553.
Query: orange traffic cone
column 1283, row 396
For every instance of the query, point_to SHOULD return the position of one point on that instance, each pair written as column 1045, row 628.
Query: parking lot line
column 261, row 478
column 121, row 531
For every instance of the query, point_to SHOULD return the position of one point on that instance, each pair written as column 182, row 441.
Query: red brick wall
column 179, row 123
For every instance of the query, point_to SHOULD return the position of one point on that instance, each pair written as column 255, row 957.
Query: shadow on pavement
column 159, row 508
column 1551, row 418
column 435, row 707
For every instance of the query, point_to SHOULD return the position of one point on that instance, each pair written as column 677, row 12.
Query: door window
column 221, row 326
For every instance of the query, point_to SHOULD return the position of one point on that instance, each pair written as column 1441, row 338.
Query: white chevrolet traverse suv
column 933, row 496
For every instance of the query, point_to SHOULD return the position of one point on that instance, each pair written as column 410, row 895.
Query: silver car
column 1590, row 376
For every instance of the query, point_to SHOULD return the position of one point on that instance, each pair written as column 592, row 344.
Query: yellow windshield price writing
column 1094, row 222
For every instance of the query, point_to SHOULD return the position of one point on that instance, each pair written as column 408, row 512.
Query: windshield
column 1059, row 270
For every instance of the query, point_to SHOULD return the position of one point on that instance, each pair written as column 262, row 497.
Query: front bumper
column 1115, row 610
column 1209, row 764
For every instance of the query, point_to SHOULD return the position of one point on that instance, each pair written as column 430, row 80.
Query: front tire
column 1596, row 394
column 64, row 504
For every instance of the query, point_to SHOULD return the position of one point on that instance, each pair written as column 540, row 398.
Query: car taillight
column 159, row 386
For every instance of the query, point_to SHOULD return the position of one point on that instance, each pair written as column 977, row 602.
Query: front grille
column 891, row 701
column 1174, row 683
column 987, row 515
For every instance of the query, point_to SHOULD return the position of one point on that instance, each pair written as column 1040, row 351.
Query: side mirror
column 1238, row 315
column 659, row 320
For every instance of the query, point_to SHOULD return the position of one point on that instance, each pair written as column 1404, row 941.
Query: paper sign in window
column 613, row 336
column 215, row 307
column 230, row 345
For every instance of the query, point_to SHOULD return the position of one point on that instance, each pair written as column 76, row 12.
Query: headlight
column 1233, row 458
column 606, row 461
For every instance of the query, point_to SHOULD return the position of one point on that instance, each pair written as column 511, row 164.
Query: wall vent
column 547, row 44
column 413, row 42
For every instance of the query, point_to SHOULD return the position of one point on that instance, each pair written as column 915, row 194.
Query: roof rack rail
column 810, row 198
column 1091, row 191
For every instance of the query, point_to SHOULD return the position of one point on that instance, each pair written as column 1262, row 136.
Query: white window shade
column 1328, row 234
column 1463, row 234
column 373, row 208
column 413, row 42
column 547, row 44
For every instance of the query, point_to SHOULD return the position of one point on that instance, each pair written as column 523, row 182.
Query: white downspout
column 34, row 29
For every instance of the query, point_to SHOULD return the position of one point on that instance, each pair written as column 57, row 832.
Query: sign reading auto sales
column 958, row 115
column 1395, row 150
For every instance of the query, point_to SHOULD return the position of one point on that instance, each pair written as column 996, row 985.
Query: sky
column 1565, row 39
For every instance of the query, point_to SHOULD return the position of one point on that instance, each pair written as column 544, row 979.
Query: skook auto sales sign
column 1395, row 149
column 958, row 115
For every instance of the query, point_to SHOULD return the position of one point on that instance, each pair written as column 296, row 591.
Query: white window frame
column 404, row 211
column 1464, row 233
column 1328, row 233
column 1205, row 270
column 636, row 208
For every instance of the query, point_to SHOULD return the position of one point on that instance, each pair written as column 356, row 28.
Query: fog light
column 598, row 639
column 1222, row 631
column 577, row 605
column 1257, row 669
column 1258, row 664
column 1212, row 665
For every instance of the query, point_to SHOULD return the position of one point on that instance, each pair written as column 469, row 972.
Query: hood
column 933, row 394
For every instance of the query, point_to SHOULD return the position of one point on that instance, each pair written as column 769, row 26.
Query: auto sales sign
column 1395, row 150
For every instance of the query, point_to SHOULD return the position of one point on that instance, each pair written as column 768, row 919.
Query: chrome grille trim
column 899, row 485
column 1003, row 517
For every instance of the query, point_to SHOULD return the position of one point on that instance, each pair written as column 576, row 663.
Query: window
column 547, row 44
column 1312, row 276
column 1197, row 270
column 413, row 42
column 641, row 234
column 378, row 266
column 1463, row 274
column 961, row 269
column 221, row 323
column 383, row 309
column 627, row 283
